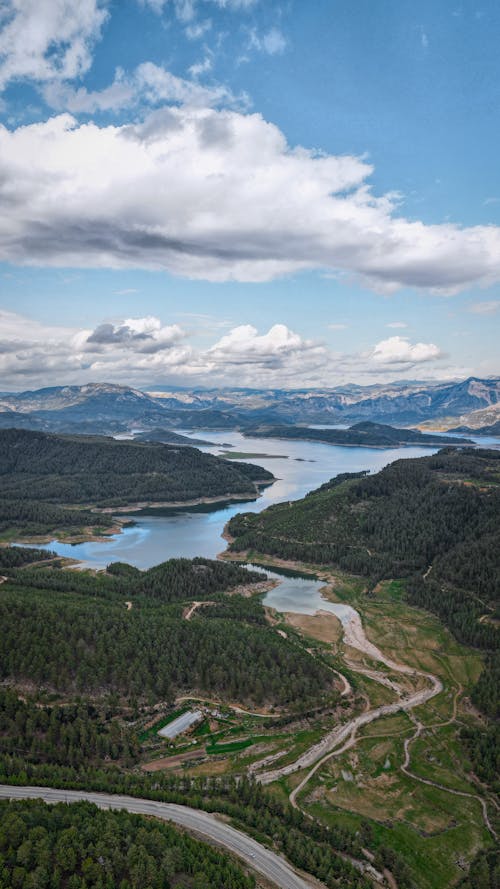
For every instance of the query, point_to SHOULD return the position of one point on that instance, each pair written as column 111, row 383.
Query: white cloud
column 198, row 29
column 145, row 351
column 145, row 335
column 337, row 326
column 201, row 67
column 186, row 10
column 397, row 324
column 272, row 42
column 48, row 40
column 489, row 307
column 399, row 350
column 149, row 84
column 217, row 195
column 244, row 345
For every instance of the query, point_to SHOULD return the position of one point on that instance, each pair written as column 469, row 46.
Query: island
column 364, row 435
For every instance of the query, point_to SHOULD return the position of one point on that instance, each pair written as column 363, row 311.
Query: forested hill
column 434, row 520
column 59, row 469
column 71, row 631
column 368, row 435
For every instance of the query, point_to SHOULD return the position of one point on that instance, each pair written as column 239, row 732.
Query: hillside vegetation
column 82, row 847
column 366, row 435
column 57, row 469
column 72, row 632
column 433, row 520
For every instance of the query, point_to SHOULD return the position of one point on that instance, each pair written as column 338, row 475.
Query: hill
column 367, row 434
column 434, row 519
column 92, row 644
column 168, row 436
column 493, row 429
column 56, row 469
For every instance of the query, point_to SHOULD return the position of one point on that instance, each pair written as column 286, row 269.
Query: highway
column 206, row 826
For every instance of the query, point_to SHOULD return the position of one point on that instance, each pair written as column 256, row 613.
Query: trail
column 194, row 607
column 405, row 768
column 235, row 707
column 344, row 737
column 354, row 636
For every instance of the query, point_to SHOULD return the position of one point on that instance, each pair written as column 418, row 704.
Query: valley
column 364, row 721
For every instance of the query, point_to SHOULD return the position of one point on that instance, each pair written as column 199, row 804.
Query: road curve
column 207, row 826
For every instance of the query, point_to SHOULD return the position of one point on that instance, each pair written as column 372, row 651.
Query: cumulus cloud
column 145, row 335
column 145, row 351
column 244, row 345
column 45, row 40
column 218, row 195
column 399, row 350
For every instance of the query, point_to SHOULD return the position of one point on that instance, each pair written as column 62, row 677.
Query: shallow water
column 301, row 595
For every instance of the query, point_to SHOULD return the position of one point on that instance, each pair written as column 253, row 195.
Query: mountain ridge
column 110, row 407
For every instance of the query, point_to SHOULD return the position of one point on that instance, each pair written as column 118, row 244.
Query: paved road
column 207, row 826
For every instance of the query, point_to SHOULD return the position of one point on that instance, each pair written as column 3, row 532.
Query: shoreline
column 375, row 447
column 119, row 524
column 71, row 539
column 178, row 504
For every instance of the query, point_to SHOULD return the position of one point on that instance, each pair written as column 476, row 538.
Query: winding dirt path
column 344, row 737
column 354, row 636
column 419, row 728
column 181, row 698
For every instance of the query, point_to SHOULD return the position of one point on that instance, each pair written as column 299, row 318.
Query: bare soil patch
column 171, row 762
column 322, row 626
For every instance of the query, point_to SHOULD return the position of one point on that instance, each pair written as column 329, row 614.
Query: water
column 302, row 595
column 197, row 531
column 192, row 532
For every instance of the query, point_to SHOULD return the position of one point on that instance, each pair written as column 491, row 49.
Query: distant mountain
column 476, row 420
column 401, row 403
column 96, row 403
column 367, row 435
column 494, row 429
column 107, row 408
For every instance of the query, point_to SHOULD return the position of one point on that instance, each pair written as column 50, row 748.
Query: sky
column 248, row 192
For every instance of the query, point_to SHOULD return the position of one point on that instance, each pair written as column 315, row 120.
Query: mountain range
column 110, row 408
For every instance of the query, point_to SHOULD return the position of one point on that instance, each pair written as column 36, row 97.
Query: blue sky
column 227, row 192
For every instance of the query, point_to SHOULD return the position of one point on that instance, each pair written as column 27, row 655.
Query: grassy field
column 436, row 833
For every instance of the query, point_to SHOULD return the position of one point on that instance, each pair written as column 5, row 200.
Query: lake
column 192, row 532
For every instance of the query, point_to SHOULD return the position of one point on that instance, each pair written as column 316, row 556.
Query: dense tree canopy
column 71, row 631
column 78, row 846
column 64, row 469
